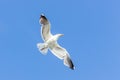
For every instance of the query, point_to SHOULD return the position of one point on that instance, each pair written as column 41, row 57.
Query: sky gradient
column 91, row 31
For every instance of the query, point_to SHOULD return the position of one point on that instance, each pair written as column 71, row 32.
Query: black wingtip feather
column 43, row 16
column 71, row 65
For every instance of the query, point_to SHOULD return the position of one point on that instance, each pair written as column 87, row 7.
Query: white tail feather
column 42, row 48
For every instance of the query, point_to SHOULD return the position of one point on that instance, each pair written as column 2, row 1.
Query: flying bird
column 50, row 42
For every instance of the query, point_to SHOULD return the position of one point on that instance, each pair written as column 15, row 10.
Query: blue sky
column 91, row 31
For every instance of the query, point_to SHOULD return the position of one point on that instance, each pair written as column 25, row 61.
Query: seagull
column 50, row 42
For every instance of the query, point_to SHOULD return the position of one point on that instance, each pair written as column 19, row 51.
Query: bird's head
column 59, row 35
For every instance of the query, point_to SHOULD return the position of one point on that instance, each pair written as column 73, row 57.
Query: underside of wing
column 45, row 31
column 58, row 51
column 61, row 53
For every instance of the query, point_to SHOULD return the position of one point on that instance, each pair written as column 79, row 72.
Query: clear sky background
column 91, row 31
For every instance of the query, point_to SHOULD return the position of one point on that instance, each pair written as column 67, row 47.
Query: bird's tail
column 43, row 48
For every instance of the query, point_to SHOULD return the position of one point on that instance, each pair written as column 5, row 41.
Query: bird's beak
column 61, row 34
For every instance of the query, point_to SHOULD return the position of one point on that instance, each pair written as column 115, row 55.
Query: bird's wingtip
column 73, row 68
column 43, row 19
column 42, row 15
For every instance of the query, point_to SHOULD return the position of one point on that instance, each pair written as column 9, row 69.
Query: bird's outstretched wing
column 61, row 53
column 45, row 31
